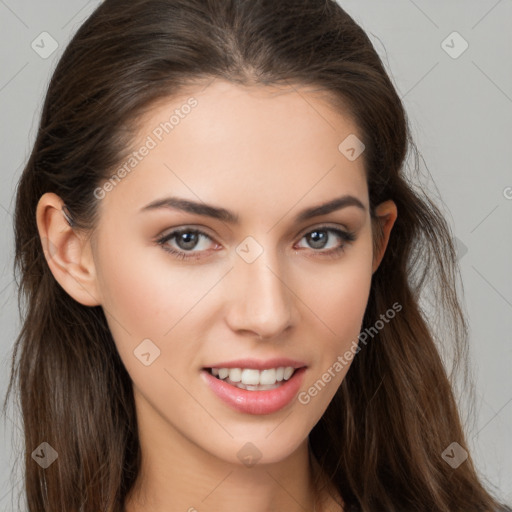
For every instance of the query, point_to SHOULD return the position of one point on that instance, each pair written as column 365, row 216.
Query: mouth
column 253, row 391
column 252, row 379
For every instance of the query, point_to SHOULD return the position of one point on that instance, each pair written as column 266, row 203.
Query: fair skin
column 265, row 157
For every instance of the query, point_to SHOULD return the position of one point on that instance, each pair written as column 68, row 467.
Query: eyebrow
column 224, row 215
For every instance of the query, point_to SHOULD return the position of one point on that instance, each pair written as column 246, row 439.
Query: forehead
column 235, row 144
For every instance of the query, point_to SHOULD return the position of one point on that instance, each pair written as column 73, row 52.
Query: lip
column 256, row 402
column 256, row 364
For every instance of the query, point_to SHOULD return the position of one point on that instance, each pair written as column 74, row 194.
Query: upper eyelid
column 326, row 226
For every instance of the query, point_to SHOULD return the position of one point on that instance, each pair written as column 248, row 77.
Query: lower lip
column 256, row 402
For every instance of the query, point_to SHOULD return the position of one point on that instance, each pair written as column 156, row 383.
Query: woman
column 223, row 259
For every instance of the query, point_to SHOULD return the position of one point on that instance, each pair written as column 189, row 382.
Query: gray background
column 460, row 109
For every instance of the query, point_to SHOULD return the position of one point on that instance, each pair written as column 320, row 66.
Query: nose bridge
column 264, row 303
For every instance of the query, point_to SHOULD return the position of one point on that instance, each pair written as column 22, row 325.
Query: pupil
column 315, row 234
column 189, row 239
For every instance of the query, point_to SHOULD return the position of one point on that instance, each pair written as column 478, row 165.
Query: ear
column 68, row 254
column 386, row 213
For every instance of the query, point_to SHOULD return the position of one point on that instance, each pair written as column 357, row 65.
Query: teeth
column 223, row 373
column 235, row 374
column 288, row 371
column 251, row 377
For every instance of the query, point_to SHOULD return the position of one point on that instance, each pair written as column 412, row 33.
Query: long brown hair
column 381, row 440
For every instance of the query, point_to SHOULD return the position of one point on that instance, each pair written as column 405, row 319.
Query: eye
column 318, row 239
column 187, row 239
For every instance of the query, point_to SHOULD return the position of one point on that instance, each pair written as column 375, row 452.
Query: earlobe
column 387, row 214
column 68, row 255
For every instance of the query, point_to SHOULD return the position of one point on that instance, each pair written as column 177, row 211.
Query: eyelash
column 347, row 236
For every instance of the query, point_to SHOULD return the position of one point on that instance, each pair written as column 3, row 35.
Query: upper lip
column 258, row 364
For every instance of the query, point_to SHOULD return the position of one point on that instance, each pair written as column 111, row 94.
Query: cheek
column 147, row 297
column 340, row 302
column 340, row 297
column 140, row 288
column 133, row 296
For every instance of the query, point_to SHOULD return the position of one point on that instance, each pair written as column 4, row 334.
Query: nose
column 261, row 301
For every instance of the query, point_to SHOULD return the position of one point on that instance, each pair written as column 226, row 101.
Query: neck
column 166, row 483
column 177, row 474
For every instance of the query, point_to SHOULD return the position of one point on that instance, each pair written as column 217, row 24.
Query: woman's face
column 256, row 273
